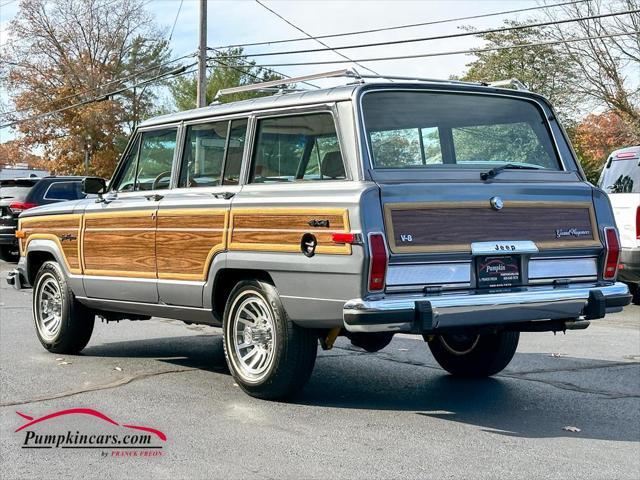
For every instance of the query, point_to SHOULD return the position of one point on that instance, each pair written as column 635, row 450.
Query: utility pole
column 201, row 97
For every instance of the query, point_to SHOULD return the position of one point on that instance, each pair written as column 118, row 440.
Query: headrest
column 332, row 165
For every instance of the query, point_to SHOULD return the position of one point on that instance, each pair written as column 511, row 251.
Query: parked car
column 621, row 180
column 20, row 194
column 450, row 210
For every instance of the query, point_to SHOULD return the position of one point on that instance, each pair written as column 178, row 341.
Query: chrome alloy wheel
column 253, row 335
column 48, row 307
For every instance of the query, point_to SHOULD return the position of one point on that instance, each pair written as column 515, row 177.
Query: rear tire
column 269, row 356
column 63, row 325
column 469, row 355
column 9, row 253
column 634, row 289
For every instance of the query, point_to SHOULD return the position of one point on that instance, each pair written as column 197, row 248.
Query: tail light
column 378, row 266
column 612, row 257
column 19, row 207
column 638, row 223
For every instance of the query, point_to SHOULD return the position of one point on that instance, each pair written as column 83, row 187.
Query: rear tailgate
column 431, row 241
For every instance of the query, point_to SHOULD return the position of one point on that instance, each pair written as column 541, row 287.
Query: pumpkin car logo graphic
column 112, row 435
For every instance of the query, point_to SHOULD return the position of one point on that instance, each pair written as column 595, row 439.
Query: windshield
column 621, row 176
column 408, row 129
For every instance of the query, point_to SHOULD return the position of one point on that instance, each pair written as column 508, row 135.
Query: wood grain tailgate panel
column 447, row 227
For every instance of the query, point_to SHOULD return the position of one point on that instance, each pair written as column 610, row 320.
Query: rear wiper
column 507, row 166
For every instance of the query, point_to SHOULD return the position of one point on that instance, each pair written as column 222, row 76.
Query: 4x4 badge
column 67, row 236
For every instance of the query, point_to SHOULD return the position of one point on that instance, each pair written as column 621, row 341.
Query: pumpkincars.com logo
column 121, row 439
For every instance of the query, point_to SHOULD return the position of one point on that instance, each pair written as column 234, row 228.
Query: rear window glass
column 12, row 190
column 621, row 176
column 427, row 130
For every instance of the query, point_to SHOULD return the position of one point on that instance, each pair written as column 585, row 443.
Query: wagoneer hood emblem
column 496, row 203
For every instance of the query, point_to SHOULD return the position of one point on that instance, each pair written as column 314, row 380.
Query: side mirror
column 94, row 185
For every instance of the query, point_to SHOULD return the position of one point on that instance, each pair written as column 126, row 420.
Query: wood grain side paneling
column 281, row 229
column 453, row 227
column 64, row 230
column 187, row 240
column 120, row 244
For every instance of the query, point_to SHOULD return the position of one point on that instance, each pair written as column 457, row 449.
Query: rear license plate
column 495, row 271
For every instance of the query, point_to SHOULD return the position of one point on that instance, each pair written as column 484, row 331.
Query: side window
column 235, row 149
column 155, row 159
column 203, row 155
column 297, row 148
column 128, row 177
column 64, row 191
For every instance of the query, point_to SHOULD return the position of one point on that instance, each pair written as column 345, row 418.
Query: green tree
column 544, row 69
column 64, row 52
column 230, row 69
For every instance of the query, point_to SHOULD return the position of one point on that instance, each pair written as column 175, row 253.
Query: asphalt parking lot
column 394, row 414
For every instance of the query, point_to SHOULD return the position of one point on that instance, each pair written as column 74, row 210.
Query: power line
column 117, row 80
column 7, row 3
column 455, row 52
column 176, row 20
column 253, row 64
column 311, row 36
column 442, row 37
column 179, row 71
column 410, row 25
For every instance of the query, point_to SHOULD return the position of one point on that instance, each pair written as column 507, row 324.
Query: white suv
column 621, row 180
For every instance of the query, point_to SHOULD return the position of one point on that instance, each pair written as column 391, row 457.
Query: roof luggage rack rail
column 510, row 82
column 280, row 86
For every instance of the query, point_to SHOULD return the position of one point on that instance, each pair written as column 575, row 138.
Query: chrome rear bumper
column 419, row 313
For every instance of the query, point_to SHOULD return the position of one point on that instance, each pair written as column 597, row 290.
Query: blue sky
column 241, row 21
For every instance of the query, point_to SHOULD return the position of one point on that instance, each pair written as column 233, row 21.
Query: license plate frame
column 498, row 271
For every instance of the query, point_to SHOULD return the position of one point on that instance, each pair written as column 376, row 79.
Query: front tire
column 268, row 355
column 471, row 355
column 63, row 325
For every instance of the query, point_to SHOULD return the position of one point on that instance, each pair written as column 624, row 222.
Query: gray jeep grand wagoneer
column 453, row 211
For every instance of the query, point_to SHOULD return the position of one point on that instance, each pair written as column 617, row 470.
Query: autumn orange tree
column 65, row 52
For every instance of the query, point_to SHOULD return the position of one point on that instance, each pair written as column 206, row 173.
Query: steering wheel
column 156, row 181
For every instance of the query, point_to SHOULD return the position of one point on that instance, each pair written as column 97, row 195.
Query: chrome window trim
column 362, row 137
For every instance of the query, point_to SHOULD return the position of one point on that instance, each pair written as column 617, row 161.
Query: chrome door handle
column 155, row 197
column 225, row 195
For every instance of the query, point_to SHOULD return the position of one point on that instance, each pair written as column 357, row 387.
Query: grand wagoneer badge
column 572, row 232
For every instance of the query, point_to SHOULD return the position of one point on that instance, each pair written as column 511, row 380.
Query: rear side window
column 64, row 191
column 210, row 150
column 412, row 129
column 621, row 176
column 297, row 148
column 204, row 155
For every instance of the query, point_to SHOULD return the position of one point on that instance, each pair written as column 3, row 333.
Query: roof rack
column 510, row 82
column 280, row 86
